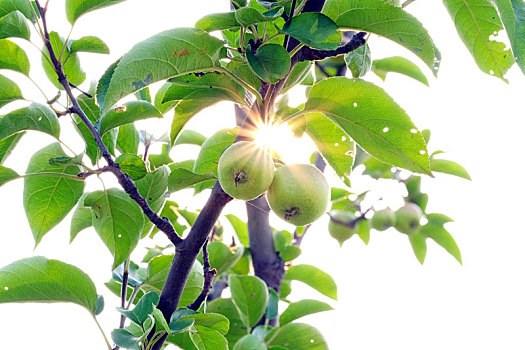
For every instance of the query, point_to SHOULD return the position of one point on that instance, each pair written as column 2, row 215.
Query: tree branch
column 208, row 279
column 309, row 54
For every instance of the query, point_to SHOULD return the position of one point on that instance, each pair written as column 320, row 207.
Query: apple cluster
column 297, row 193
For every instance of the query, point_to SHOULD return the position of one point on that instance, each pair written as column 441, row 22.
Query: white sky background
column 386, row 299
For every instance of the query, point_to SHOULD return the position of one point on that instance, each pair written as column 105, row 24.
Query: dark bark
column 208, row 279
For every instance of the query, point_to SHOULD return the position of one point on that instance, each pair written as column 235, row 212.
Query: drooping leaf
column 250, row 296
column 89, row 44
column 399, row 65
column 9, row 91
column 334, row 144
column 118, row 221
column 6, row 175
column 33, row 117
column 314, row 277
column 512, row 13
column 362, row 229
column 449, row 167
column 476, row 22
column 132, row 165
column 49, row 198
column 434, row 229
column 271, row 62
column 296, row 336
column 128, row 139
column 14, row 25
column 315, row 30
column 359, row 61
column 128, row 113
column 168, row 54
column 389, row 21
column 71, row 67
column 302, row 308
column 13, row 57
column 217, row 21
column 77, row 8
column 82, row 218
column 247, row 16
column 8, row 144
column 375, row 122
column 38, row 279
column 419, row 246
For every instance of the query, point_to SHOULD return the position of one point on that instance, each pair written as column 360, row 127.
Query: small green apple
column 338, row 231
column 245, row 170
column 299, row 194
column 408, row 218
column 383, row 219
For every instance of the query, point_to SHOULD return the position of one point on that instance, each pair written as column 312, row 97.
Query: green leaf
column 298, row 74
column 129, row 113
column 419, row 246
column 251, row 342
column 208, row 339
column 399, row 65
column 158, row 269
column 217, row 21
column 73, row 71
column 48, row 198
column 334, row 144
column 118, row 221
column 6, row 175
column 212, row 149
column 82, row 219
column 182, row 178
column 314, row 277
column 372, row 118
column 290, row 253
column 100, row 305
column 271, row 62
column 296, row 336
column 128, row 139
column 89, row 44
column 240, row 228
column 9, row 91
column 125, row 339
column 359, row 61
column 247, row 16
column 250, row 296
column 449, row 167
column 223, row 257
column 33, row 117
column 477, row 22
column 315, row 30
column 302, row 308
column 225, row 306
column 512, row 13
column 159, row 97
column 8, row 144
column 14, row 25
column 8, row 6
column 153, row 187
column 77, row 8
column 214, row 321
column 434, row 229
column 391, row 22
column 190, row 137
column 136, row 274
column 38, row 279
column 132, row 165
column 362, row 229
column 143, row 309
column 13, row 57
column 168, row 54
column 103, row 83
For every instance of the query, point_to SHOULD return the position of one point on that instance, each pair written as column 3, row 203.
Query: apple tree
column 254, row 56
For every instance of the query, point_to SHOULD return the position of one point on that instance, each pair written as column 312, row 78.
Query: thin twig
column 208, row 279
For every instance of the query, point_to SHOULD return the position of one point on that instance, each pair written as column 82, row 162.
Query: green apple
column 383, row 219
column 408, row 218
column 245, row 170
column 299, row 194
column 338, row 231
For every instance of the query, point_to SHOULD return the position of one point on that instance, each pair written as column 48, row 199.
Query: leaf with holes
column 71, row 67
column 118, row 220
column 91, row 44
column 302, row 336
column 334, row 144
column 399, row 65
column 477, row 22
column 128, row 113
column 372, row 118
column 168, row 54
column 49, row 198
column 14, row 25
column 271, row 62
column 392, row 22
column 13, row 57
column 33, row 117
column 250, row 296
column 512, row 13
column 38, row 279
column 77, row 8
column 314, row 277
column 9, row 92
column 315, row 30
